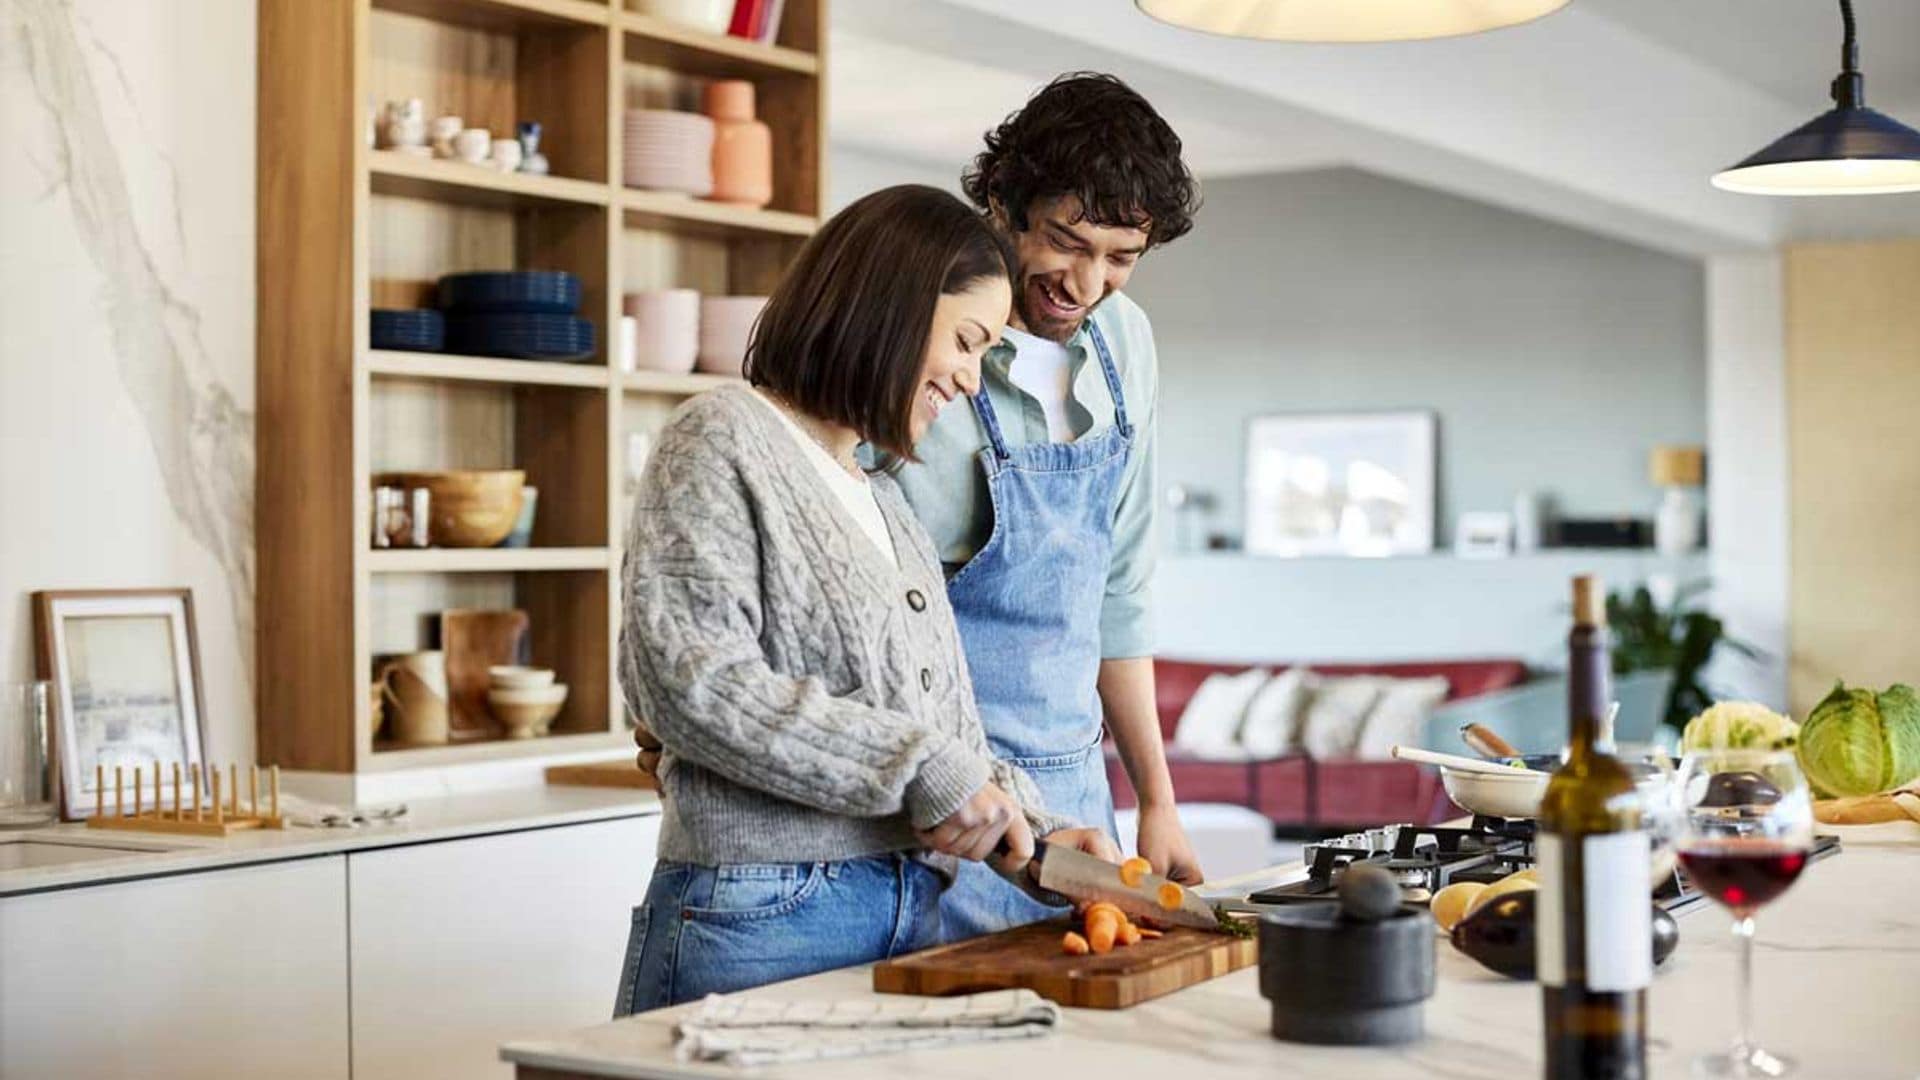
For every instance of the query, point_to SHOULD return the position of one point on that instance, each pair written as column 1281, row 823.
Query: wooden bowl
column 527, row 712
column 467, row 508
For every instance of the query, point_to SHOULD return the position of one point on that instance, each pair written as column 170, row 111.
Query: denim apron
column 1028, row 605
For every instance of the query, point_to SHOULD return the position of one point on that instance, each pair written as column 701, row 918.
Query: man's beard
column 1058, row 331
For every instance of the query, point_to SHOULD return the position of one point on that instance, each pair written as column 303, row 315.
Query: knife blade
column 1075, row 874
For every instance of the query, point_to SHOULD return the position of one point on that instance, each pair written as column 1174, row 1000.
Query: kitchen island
column 1837, row 986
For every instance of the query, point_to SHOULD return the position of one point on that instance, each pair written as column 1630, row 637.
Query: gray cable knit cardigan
column 813, row 701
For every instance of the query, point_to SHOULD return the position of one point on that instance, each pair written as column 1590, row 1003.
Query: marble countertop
column 449, row 817
column 1835, row 986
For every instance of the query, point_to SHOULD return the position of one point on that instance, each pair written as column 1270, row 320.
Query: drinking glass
column 1744, row 832
column 26, row 791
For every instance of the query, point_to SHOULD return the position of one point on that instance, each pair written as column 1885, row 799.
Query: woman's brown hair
column 844, row 335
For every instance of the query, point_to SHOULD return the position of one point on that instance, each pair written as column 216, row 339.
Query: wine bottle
column 1592, row 853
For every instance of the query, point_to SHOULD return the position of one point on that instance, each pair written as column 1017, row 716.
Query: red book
column 748, row 16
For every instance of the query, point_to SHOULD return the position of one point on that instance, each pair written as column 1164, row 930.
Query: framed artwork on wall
column 1345, row 484
column 125, row 669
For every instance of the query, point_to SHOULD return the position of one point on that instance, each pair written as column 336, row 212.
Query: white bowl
column 517, row 677
column 528, row 695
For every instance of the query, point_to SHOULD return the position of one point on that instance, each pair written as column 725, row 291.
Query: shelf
column 485, row 560
column 394, row 173
column 496, row 750
column 655, row 209
column 660, row 42
column 503, row 14
column 484, row 369
column 664, row 383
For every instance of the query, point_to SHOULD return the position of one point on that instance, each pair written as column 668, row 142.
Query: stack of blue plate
column 521, row 335
column 525, row 314
column 414, row 330
column 554, row 292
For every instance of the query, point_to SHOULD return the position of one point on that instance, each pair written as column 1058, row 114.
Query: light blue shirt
column 949, row 495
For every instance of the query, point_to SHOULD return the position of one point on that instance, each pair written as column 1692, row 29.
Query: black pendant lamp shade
column 1849, row 150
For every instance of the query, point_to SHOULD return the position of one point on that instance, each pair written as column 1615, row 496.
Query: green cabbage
column 1858, row 742
column 1738, row 725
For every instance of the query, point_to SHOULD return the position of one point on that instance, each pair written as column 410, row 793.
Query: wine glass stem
column 1743, row 998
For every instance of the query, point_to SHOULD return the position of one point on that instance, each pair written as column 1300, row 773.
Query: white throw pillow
column 1400, row 716
column 1334, row 718
column 1210, row 725
column 1272, row 722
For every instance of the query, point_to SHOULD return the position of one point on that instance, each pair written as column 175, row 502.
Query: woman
column 787, row 634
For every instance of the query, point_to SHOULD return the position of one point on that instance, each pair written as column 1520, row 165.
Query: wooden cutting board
column 1030, row 957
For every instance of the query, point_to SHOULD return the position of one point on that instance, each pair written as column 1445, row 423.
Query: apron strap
column 983, row 408
column 1113, row 379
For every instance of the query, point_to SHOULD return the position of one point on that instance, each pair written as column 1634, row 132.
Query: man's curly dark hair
column 1088, row 134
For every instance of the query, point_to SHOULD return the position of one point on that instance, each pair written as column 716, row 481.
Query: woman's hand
column 973, row 831
column 649, row 756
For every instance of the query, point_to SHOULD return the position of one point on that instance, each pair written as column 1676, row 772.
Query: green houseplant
column 1679, row 637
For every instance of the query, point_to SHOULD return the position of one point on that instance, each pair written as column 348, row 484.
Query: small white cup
column 472, row 145
column 506, row 154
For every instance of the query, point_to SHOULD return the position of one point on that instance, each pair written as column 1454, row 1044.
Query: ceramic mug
column 506, row 154
column 415, row 687
column 472, row 145
column 445, row 129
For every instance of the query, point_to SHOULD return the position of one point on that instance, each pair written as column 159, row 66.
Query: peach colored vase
column 742, row 146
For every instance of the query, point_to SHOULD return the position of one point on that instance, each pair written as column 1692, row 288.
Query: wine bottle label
column 1594, row 916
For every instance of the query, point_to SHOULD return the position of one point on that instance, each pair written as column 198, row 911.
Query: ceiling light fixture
column 1848, row 150
column 1347, row 20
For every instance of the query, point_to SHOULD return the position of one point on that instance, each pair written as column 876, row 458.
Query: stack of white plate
column 665, row 150
column 726, row 324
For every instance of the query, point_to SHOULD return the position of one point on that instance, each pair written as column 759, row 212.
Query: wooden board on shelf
column 485, row 560
column 1030, row 957
column 674, row 385
column 454, row 367
column 395, row 173
column 654, row 209
column 659, row 42
column 394, row 759
column 619, row 773
column 502, row 14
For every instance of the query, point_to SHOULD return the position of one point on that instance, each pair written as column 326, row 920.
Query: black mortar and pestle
column 1353, row 973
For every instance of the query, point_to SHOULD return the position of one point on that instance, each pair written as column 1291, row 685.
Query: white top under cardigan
column 855, row 493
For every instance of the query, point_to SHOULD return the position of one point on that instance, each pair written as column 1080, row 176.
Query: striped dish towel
column 742, row 1030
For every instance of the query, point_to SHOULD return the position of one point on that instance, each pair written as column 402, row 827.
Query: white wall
column 1747, row 460
column 126, row 319
column 1555, row 359
column 854, row 171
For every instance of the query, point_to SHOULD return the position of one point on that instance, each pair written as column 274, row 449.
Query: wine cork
column 1589, row 601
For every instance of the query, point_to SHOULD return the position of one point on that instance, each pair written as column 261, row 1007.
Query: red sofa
column 1299, row 791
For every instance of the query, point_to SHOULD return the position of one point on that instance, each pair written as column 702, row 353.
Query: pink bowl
column 667, row 328
column 726, row 325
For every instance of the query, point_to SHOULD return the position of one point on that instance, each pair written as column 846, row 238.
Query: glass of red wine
column 1744, row 832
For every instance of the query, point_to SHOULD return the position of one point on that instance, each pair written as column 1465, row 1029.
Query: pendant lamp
column 1347, row 20
column 1849, row 150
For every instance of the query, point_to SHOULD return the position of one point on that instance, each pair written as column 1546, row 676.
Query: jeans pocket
column 631, row 967
column 744, row 892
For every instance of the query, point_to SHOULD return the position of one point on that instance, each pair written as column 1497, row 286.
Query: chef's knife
column 1076, row 875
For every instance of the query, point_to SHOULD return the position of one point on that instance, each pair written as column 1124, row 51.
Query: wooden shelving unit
column 344, row 228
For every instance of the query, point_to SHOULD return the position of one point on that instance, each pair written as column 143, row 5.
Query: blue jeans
column 716, row 929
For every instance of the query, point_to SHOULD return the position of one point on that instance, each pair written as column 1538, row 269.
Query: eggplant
column 1500, row 934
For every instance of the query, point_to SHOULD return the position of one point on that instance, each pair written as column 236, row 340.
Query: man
column 1040, row 497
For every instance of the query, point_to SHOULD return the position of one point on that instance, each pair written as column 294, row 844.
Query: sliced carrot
column 1105, row 905
column 1170, row 895
column 1102, row 928
column 1074, row 945
column 1129, row 934
column 1150, row 934
column 1133, row 870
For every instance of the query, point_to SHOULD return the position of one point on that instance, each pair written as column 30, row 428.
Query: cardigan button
column 926, row 679
column 916, row 600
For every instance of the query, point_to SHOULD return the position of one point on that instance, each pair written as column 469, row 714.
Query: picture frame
column 1341, row 484
column 125, row 668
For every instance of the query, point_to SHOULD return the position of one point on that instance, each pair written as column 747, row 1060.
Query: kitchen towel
column 741, row 1030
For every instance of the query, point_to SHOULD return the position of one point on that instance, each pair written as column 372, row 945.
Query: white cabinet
column 237, row 972
column 461, row 946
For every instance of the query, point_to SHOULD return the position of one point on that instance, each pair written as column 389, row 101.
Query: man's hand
column 973, row 831
column 1163, row 842
column 649, row 757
